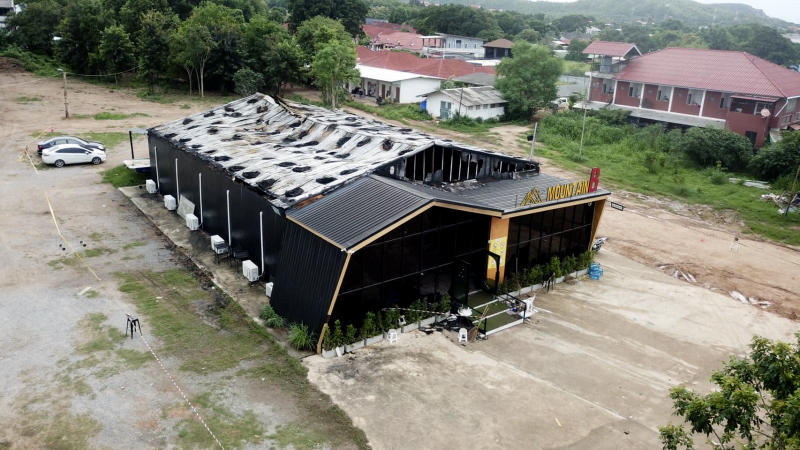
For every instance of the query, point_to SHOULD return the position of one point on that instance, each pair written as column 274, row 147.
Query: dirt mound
column 10, row 65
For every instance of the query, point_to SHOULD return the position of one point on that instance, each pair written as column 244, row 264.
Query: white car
column 60, row 155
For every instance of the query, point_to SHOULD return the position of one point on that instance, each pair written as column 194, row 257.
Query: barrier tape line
column 180, row 391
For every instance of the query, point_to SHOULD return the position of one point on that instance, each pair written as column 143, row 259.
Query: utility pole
column 533, row 137
column 793, row 193
column 66, row 103
column 583, row 127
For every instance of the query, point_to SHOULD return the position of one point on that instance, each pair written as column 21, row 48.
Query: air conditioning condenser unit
column 151, row 187
column 192, row 222
column 170, row 203
column 218, row 244
column 250, row 271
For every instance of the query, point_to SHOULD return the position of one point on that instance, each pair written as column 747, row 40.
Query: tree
column 351, row 13
column 575, row 48
column 528, row 81
column 764, row 42
column 779, row 158
column 190, row 48
column 530, row 35
column 455, row 19
column 130, row 15
column 115, row 53
column 756, row 403
column 80, row 30
column 225, row 26
column 247, row 82
column 271, row 52
column 706, row 146
column 314, row 33
column 573, row 22
column 34, row 27
column 153, row 44
column 334, row 65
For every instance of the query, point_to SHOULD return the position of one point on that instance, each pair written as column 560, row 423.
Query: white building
column 483, row 102
column 394, row 85
column 452, row 46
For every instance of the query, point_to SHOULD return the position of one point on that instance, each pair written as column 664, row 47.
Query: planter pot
column 426, row 322
column 560, row 279
column 354, row 346
column 581, row 272
column 329, row 353
column 339, row 351
column 526, row 290
column 410, row 327
column 374, row 339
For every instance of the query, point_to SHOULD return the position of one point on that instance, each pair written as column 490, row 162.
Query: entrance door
column 397, row 94
column 383, row 90
column 444, row 110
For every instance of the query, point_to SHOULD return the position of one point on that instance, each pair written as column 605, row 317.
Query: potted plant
column 337, row 338
column 328, row 350
column 351, row 341
column 369, row 331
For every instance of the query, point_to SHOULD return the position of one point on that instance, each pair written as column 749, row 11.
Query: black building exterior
column 347, row 215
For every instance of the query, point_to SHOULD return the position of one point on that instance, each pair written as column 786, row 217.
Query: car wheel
column 59, row 163
column 96, row 160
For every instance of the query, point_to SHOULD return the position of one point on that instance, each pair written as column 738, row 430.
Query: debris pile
column 677, row 272
column 748, row 300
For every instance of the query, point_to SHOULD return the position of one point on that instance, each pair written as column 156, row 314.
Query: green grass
column 122, row 176
column 392, row 111
column 175, row 321
column 621, row 160
column 305, row 101
column 233, row 430
column 107, row 115
column 575, row 68
column 296, row 435
column 169, row 96
column 100, row 338
column 98, row 251
column 134, row 244
column 24, row 100
column 38, row 64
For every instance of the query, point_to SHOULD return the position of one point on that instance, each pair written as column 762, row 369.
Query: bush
column 553, row 268
column 445, row 304
column 706, row 146
column 350, row 334
column 778, row 159
column 246, row 82
column 368, row 327
column 568, row 265
column 271, row 318
column 337, row 337
column 300, row 337
column 585, row 259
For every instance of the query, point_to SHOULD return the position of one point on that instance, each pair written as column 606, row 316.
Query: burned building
column 346, row 214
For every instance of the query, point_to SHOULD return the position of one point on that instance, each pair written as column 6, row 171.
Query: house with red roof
column 404, row 77
column 722, row 89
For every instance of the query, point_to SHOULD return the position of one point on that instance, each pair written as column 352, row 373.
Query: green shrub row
column 375, row 323
column 539, row 273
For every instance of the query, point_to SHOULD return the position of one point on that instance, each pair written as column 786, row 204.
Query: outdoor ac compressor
column 218, row 244
column 250, row 271
column 192, row 222
column 170, row 203
column 151, row 186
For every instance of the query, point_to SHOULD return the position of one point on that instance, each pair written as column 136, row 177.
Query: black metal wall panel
column 247, row 208
column 309, row 270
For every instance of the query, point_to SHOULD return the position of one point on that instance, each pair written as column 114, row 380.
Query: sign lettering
column 567, row 190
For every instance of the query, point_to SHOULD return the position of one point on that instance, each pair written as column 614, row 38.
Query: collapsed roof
column 293, row 152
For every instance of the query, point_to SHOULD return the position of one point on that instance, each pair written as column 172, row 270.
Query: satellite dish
column 765, row 112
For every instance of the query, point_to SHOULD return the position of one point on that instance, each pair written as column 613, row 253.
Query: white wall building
column 400, row 87
column 450, row 45
column 483, row 102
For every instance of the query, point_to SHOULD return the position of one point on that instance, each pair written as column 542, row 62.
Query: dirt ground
column 593, row 369
column 70, row 377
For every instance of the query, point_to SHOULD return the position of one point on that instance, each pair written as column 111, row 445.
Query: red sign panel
column 594, row 179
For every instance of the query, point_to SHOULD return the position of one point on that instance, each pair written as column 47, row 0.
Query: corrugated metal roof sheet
column 481, row 79
column 359, row 210
column 719, row 70
column 618, row 49
column 293, row 152
column 352, row 214
column 473, row 96
column 407, row 62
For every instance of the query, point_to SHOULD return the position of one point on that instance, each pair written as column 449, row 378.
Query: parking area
column 591, row 370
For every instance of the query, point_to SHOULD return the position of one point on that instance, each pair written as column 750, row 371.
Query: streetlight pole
column 66, row 103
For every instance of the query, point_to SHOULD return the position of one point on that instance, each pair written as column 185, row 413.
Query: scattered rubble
column 677, row 272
